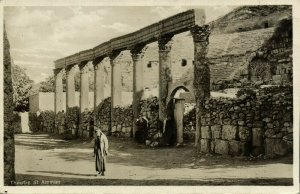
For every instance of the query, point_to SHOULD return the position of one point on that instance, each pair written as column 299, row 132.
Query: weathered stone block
column 258, row 124
column 128, row 129
column 290, row 129
column 241, row 122
column 229, row 132
column 205, row 145
column 124, row 129
column 257, row 136
column 288, row 137
column 221, row 147
column 119, row 128
column 104, row 127
column 114, row 129
column 269, row 133
column 205, row 132
column 244, row 134
column 276, row 147
column 234, row 148
column 216, row 131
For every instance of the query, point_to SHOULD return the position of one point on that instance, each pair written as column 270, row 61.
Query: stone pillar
column 116, row 85
column 84, row 86
column 99, row 79
column 178, row 114
column 137, row 54
column 165, row 77
column 58, row 96
column 70, row 86
column 201, row 73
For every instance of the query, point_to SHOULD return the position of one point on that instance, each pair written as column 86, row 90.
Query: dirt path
column 44, row 157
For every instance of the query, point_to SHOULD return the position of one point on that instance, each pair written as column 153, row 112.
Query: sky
column 40, row 35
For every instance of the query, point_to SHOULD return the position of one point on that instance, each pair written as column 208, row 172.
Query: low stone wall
column 149, row 109
column 72, row 121
column 60, row 122
column 86, row 124
column 122, row 122
column 255, row 123
column 189, row 125
column 103, row 114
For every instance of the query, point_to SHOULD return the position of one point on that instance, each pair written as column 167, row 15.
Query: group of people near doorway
column 168, row 132
column 101, row 141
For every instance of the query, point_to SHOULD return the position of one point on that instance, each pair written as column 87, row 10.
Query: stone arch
column 172, row 93
column 177, row 87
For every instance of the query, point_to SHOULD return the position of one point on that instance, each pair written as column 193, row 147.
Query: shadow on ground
column 129, row 153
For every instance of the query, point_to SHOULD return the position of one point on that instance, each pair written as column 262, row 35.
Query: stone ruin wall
column 273, row 62
column 229, row 134
column 248, row 124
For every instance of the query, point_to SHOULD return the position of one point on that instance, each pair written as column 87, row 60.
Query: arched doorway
column 175, row 112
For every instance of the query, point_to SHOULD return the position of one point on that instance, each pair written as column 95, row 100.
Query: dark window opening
column 149, row 65
column 183, row 62
column 266, row 24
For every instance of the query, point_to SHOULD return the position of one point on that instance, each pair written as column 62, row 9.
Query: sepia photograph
column 149, row 95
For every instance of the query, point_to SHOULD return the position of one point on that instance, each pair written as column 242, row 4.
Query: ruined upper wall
column 247, row 18
column 173, row 25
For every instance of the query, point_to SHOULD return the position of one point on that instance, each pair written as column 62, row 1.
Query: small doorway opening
column 174, row 124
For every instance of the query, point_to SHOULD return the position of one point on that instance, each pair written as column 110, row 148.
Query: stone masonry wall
column 72, row 120
column 273, row 62
column 122, row 121
column 86, row 124
column 102, row 115
column 149, row 109
column 255, row 123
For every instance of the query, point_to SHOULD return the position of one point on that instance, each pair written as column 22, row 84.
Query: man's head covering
column 97, row 131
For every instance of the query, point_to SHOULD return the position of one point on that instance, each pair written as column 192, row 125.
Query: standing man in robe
column 100, row 150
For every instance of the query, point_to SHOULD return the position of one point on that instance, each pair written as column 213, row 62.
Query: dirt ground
column 43, row 159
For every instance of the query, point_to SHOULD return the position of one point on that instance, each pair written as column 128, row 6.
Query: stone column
column 137, row 54
column 116, row 85
column 84, row 86
column 70, row 89
column 165, row 77
column 178, row 114
column 201, row 73
column 99, row 78
column 58, row 96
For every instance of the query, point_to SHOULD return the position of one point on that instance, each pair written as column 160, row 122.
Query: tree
column 21, row 87
column 9, row 143
column 48, row 85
